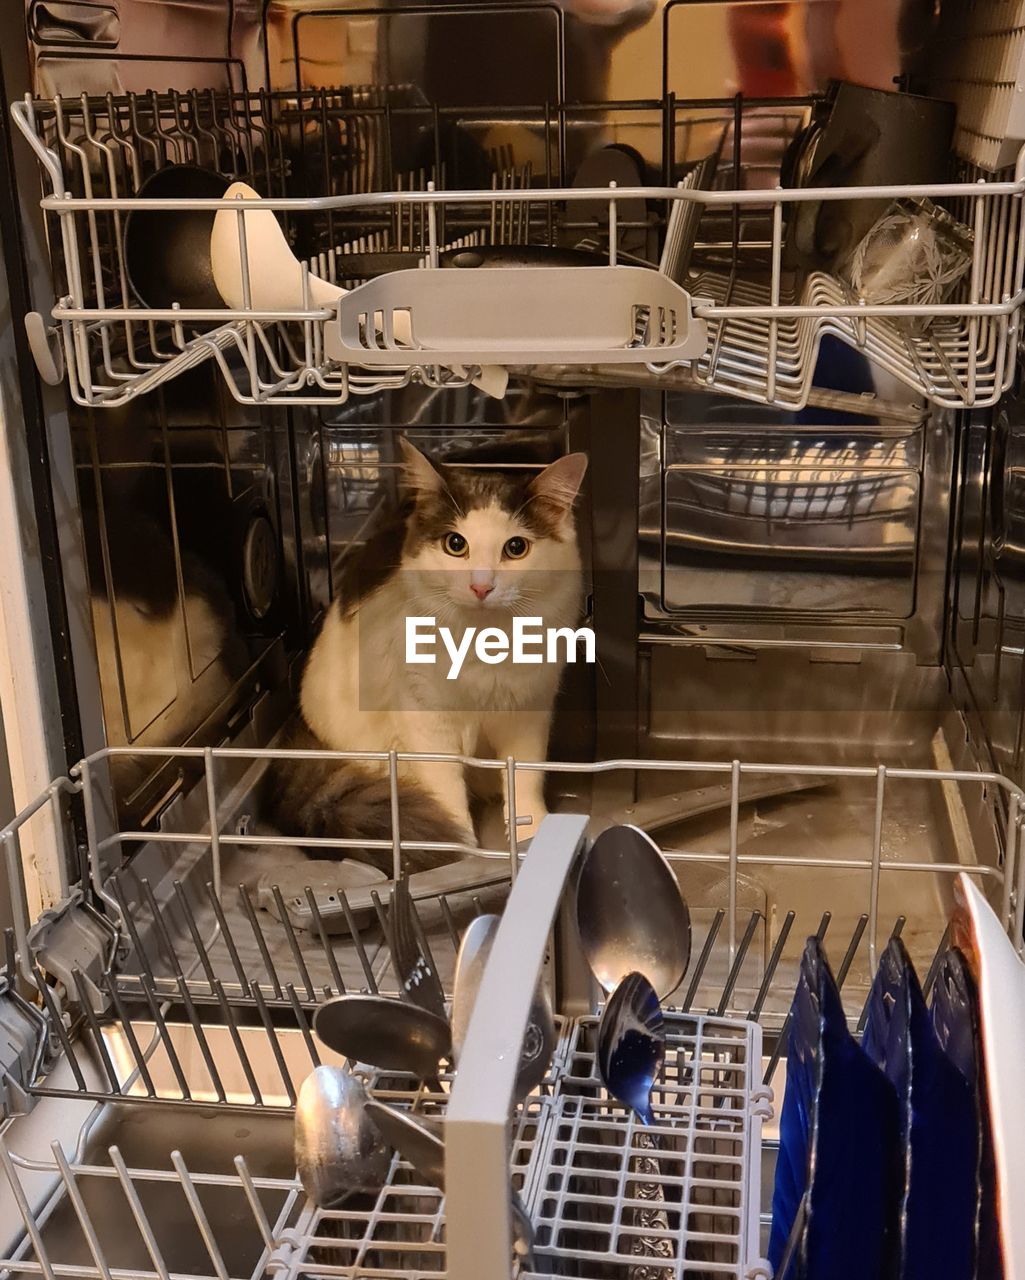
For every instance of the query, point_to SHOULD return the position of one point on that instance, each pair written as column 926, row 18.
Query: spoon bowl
column 390, row 1034
column 631, row 916
column 338, row 1150
column 632, row 1044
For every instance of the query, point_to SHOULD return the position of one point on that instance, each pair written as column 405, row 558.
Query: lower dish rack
column 172, row 1106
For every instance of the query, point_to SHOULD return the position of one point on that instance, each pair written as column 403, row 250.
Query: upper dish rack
column 709, row 297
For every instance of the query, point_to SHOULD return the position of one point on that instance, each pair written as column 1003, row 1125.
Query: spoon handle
column 655, row 1218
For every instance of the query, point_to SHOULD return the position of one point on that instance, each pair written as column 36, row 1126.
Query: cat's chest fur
column 360, row 692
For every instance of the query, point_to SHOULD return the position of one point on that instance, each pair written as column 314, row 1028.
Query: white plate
column 1001, row 978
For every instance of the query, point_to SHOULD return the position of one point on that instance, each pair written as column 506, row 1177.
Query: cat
column 471, row 549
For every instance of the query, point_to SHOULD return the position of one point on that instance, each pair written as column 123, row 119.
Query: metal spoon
column 337, row 1148
column 539, row 1038
column 385, row 1033
column 631, row 1050
column 632, row 1044
column 631, row 916
column 426, row 1152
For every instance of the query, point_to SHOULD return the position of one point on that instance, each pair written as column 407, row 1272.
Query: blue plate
column 838, row 1172
column 938, row 1126
column 955, row 1019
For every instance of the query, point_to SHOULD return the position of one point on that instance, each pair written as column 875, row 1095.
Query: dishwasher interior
column 801, row 560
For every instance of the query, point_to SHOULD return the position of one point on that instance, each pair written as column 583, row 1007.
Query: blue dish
column 955, row 1020
column 938, row 1126
column 838, row 1171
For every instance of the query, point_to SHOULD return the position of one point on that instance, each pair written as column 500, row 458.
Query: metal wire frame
column 154, row 1044
column 202, row 960
column 763, row 336
column 31, row 1256
column 1010, row 875
column 406, row 1220
column 268, row 1226
column 164, row 1052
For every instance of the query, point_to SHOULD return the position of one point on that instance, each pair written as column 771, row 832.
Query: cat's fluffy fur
column 383, row 704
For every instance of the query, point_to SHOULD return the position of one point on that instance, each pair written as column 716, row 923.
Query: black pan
column 167, row 254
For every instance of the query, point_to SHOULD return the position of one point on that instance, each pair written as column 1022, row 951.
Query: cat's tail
column 347, row 800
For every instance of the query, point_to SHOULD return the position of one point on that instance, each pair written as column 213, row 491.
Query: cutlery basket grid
column 741, row 971
column 326, row 155
column 681, row 1197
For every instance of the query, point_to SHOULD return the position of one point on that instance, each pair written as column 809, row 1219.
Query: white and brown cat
column 470, row 548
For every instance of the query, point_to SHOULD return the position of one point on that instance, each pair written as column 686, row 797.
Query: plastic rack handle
column 517, row 315
column 478, row 1236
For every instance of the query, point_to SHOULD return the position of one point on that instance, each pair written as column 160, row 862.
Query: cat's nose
column 482, row 589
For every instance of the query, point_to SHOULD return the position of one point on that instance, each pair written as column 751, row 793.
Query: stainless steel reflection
column 338, row 1150
column 827, row 524
column 987, row 586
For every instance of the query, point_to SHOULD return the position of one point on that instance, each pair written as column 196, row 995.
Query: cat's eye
column 516, row 548
column 455, row 544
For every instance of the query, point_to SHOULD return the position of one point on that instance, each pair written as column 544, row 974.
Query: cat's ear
column 419, row 474
column 556, row 488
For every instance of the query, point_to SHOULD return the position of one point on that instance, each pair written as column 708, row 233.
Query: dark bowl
column 167, row 252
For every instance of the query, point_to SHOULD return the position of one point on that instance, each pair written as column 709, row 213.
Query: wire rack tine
column 231, row 1022
column 706, row 951
column 27, row 1216
column 57, row 1022
column 450, row 924
column 165, row 1037
column 770, row 968
column 97, row 1032
column 138, row 1213
column 261, row 942
column 302, row 1022
column 81, row 1212
column 161, row 928
column 193, row 928
column 201, row 1040
column 275, row 1047
column 325, row 943
column 741, row 956
column 357, row 941
column 133, row 932
column 129, row 1034
column 199, row 1214
column 229, row 939
column 293, row 944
